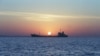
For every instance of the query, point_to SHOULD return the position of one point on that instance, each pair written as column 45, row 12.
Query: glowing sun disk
column 49, row 33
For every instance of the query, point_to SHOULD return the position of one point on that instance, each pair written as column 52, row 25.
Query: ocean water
column 27, row 46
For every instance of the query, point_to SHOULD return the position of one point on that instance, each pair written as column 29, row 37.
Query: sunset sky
column 79, row 18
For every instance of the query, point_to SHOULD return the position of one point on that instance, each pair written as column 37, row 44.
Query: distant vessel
column 60, row 34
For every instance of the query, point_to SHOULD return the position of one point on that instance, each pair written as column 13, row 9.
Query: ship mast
column 60, row 29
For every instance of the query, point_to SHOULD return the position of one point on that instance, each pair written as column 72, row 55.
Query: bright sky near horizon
column 75, row 17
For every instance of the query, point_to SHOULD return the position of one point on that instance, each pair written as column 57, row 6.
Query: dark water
column 27, row 46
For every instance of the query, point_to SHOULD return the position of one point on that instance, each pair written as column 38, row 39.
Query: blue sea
column 28, row 46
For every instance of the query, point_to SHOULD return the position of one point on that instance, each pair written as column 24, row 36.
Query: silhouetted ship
column 60, row 34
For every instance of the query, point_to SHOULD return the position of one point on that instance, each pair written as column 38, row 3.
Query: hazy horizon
column 75, row 17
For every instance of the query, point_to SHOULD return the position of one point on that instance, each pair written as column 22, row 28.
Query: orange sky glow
column 74, row 17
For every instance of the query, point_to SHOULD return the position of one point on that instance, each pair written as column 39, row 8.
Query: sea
column 30, row 46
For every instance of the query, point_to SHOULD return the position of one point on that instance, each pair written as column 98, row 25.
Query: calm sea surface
column 28, row 46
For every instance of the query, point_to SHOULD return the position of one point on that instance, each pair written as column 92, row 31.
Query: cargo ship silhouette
column 60, row 34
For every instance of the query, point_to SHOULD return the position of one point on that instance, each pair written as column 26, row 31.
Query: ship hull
column 46, row 36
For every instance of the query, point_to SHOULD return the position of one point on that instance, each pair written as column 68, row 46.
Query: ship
column 60, row 34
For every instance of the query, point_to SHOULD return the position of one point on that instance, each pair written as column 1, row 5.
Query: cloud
column 29, row 16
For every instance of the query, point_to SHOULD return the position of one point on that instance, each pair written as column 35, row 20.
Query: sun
column 49, row 33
